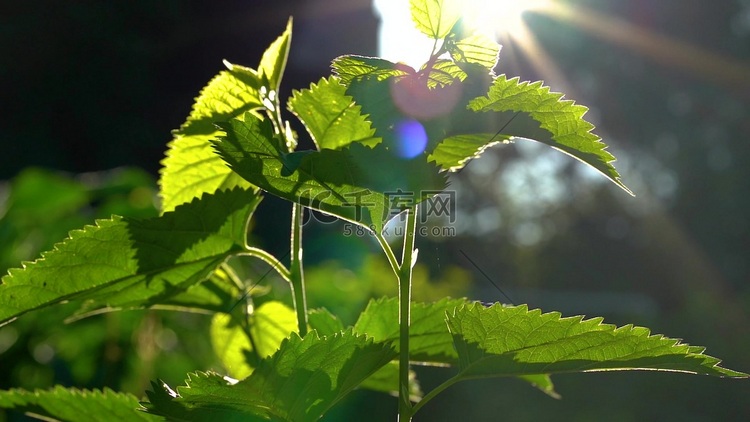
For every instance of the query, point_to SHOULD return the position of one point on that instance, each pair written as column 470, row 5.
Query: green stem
column 271, row 260
column 388, row 253
column 432, row 394
column 232, row 275
column 404, row 301
column 244, row 322
column 296, row 275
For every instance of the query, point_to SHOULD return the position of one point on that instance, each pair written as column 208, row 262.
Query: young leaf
column 477, row 49
column 443, row 72
column 125, row 262
column 346, row 183
column 351, row 67
column 331, row 116
column 273, row 62
column 435, row 18
column 191, row 167
column 513, row 341
column 268, row 325
column 300, row 382
column 62, row 404
column 561, row 121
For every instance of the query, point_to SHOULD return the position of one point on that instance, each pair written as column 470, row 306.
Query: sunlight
column 399, row 41
column 494, row 17
column 660, row 48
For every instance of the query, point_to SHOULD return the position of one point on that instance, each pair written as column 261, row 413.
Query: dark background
column 91, row 85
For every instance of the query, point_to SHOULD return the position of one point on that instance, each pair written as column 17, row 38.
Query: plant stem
column 297, row 277
column 432, row 394
column 388, row 253
column 271, row 260
column 404, row 301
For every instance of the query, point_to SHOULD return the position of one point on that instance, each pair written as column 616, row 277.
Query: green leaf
column 273, row 62
column 386, row 380
column 513, row 341
column 324, row 322
column 543, row 382
column 429, row 338
column 268, row 325
column 351, row 67
column 435, row 18
column 443, row 72
column 477, row 49
column 346, row 183
column 561, row 121
column 63, row 404
column 430, row 341
column 125, row 262
column 206, row 397
column 300, row 382
column 216, row 294
column 330, row 116
column 191, row 167
column 454, row 152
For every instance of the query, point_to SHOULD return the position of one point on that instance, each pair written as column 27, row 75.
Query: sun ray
column 660, row 48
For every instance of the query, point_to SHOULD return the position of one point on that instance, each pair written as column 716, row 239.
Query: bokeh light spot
column 411, row 138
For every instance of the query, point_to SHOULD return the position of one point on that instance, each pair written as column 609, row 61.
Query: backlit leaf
column 435, row 18
column 330, row 116
column 63, row 404
column 477, row 49
column 351, row 67
column 273, row 62
column 454, row 152
column 268, row 325
column 324, row 322
column 512, row 341
column 191, row 166
column 127, row 263
column 561, row 121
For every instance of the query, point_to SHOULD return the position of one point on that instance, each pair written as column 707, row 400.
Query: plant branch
column 296, row 274
column 388, row 253
column 432, row 394
column 271, row 260
column 404, row 300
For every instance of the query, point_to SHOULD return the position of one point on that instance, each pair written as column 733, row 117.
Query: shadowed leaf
column 346, row 183
column 298, row 383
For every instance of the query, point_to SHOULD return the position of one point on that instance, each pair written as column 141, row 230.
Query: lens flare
column 411, row 139
column 500, row 16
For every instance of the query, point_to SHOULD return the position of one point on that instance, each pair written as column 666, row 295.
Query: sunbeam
column 660, row 48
